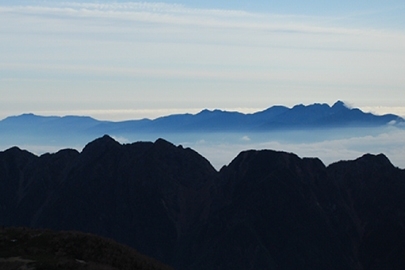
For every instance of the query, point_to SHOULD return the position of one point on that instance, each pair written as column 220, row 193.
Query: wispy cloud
column 161, row 13
column 264, row 58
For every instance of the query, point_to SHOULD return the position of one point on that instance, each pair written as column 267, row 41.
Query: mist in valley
column 328, row 145
column 220, row 148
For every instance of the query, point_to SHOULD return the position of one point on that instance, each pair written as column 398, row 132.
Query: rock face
column 265, row 210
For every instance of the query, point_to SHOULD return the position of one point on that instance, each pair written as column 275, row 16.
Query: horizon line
column 142, row 114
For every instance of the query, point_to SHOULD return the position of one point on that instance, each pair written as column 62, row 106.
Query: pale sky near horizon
column 119, row 60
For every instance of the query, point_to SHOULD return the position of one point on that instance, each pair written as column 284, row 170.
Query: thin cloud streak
column 261, row 59
column 179, row 15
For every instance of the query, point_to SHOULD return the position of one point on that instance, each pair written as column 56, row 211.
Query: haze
column 120, row 60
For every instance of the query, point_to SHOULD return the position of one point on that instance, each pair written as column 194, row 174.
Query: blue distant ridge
column 300, row 117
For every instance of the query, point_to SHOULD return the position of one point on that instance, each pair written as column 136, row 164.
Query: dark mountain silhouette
column 299, row 117
column 110, row 189
column 265, row 210
column 24, row 248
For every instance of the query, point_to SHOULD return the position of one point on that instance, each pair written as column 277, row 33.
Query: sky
column 117, row 60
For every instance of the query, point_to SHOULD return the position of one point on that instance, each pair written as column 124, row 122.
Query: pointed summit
column 339, row 105
column 163, row 144
column 101, row 145
column 105, row 139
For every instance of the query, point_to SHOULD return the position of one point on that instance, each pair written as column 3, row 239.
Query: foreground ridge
column 265, row 210
column 24, row 248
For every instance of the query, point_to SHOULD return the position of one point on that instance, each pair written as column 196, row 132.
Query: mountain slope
column 23, row 248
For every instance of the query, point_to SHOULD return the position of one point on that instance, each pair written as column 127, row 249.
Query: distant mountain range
column 265, row 210
column 316, row 116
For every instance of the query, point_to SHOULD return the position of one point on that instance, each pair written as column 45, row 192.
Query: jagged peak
column 13, row 149
column 216, row 112
column 106, row 138
column 17, row 150
column 298, row 106
column 302, row 106
column 205, row 111
column 367, row 160
column 380, row 159
column 340, row 105
column 163, row 142
column 337, row 105
column 102, row 143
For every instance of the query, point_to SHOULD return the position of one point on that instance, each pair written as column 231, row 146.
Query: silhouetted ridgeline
column 265, row 210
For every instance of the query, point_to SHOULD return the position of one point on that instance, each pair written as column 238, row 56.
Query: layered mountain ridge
column 299, row 117
column 265, row 210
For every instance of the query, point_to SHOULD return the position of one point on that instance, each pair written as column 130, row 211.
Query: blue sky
column 120, row 60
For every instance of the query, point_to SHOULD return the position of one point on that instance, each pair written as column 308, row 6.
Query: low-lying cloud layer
column 391, row 143
column 221, row 148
